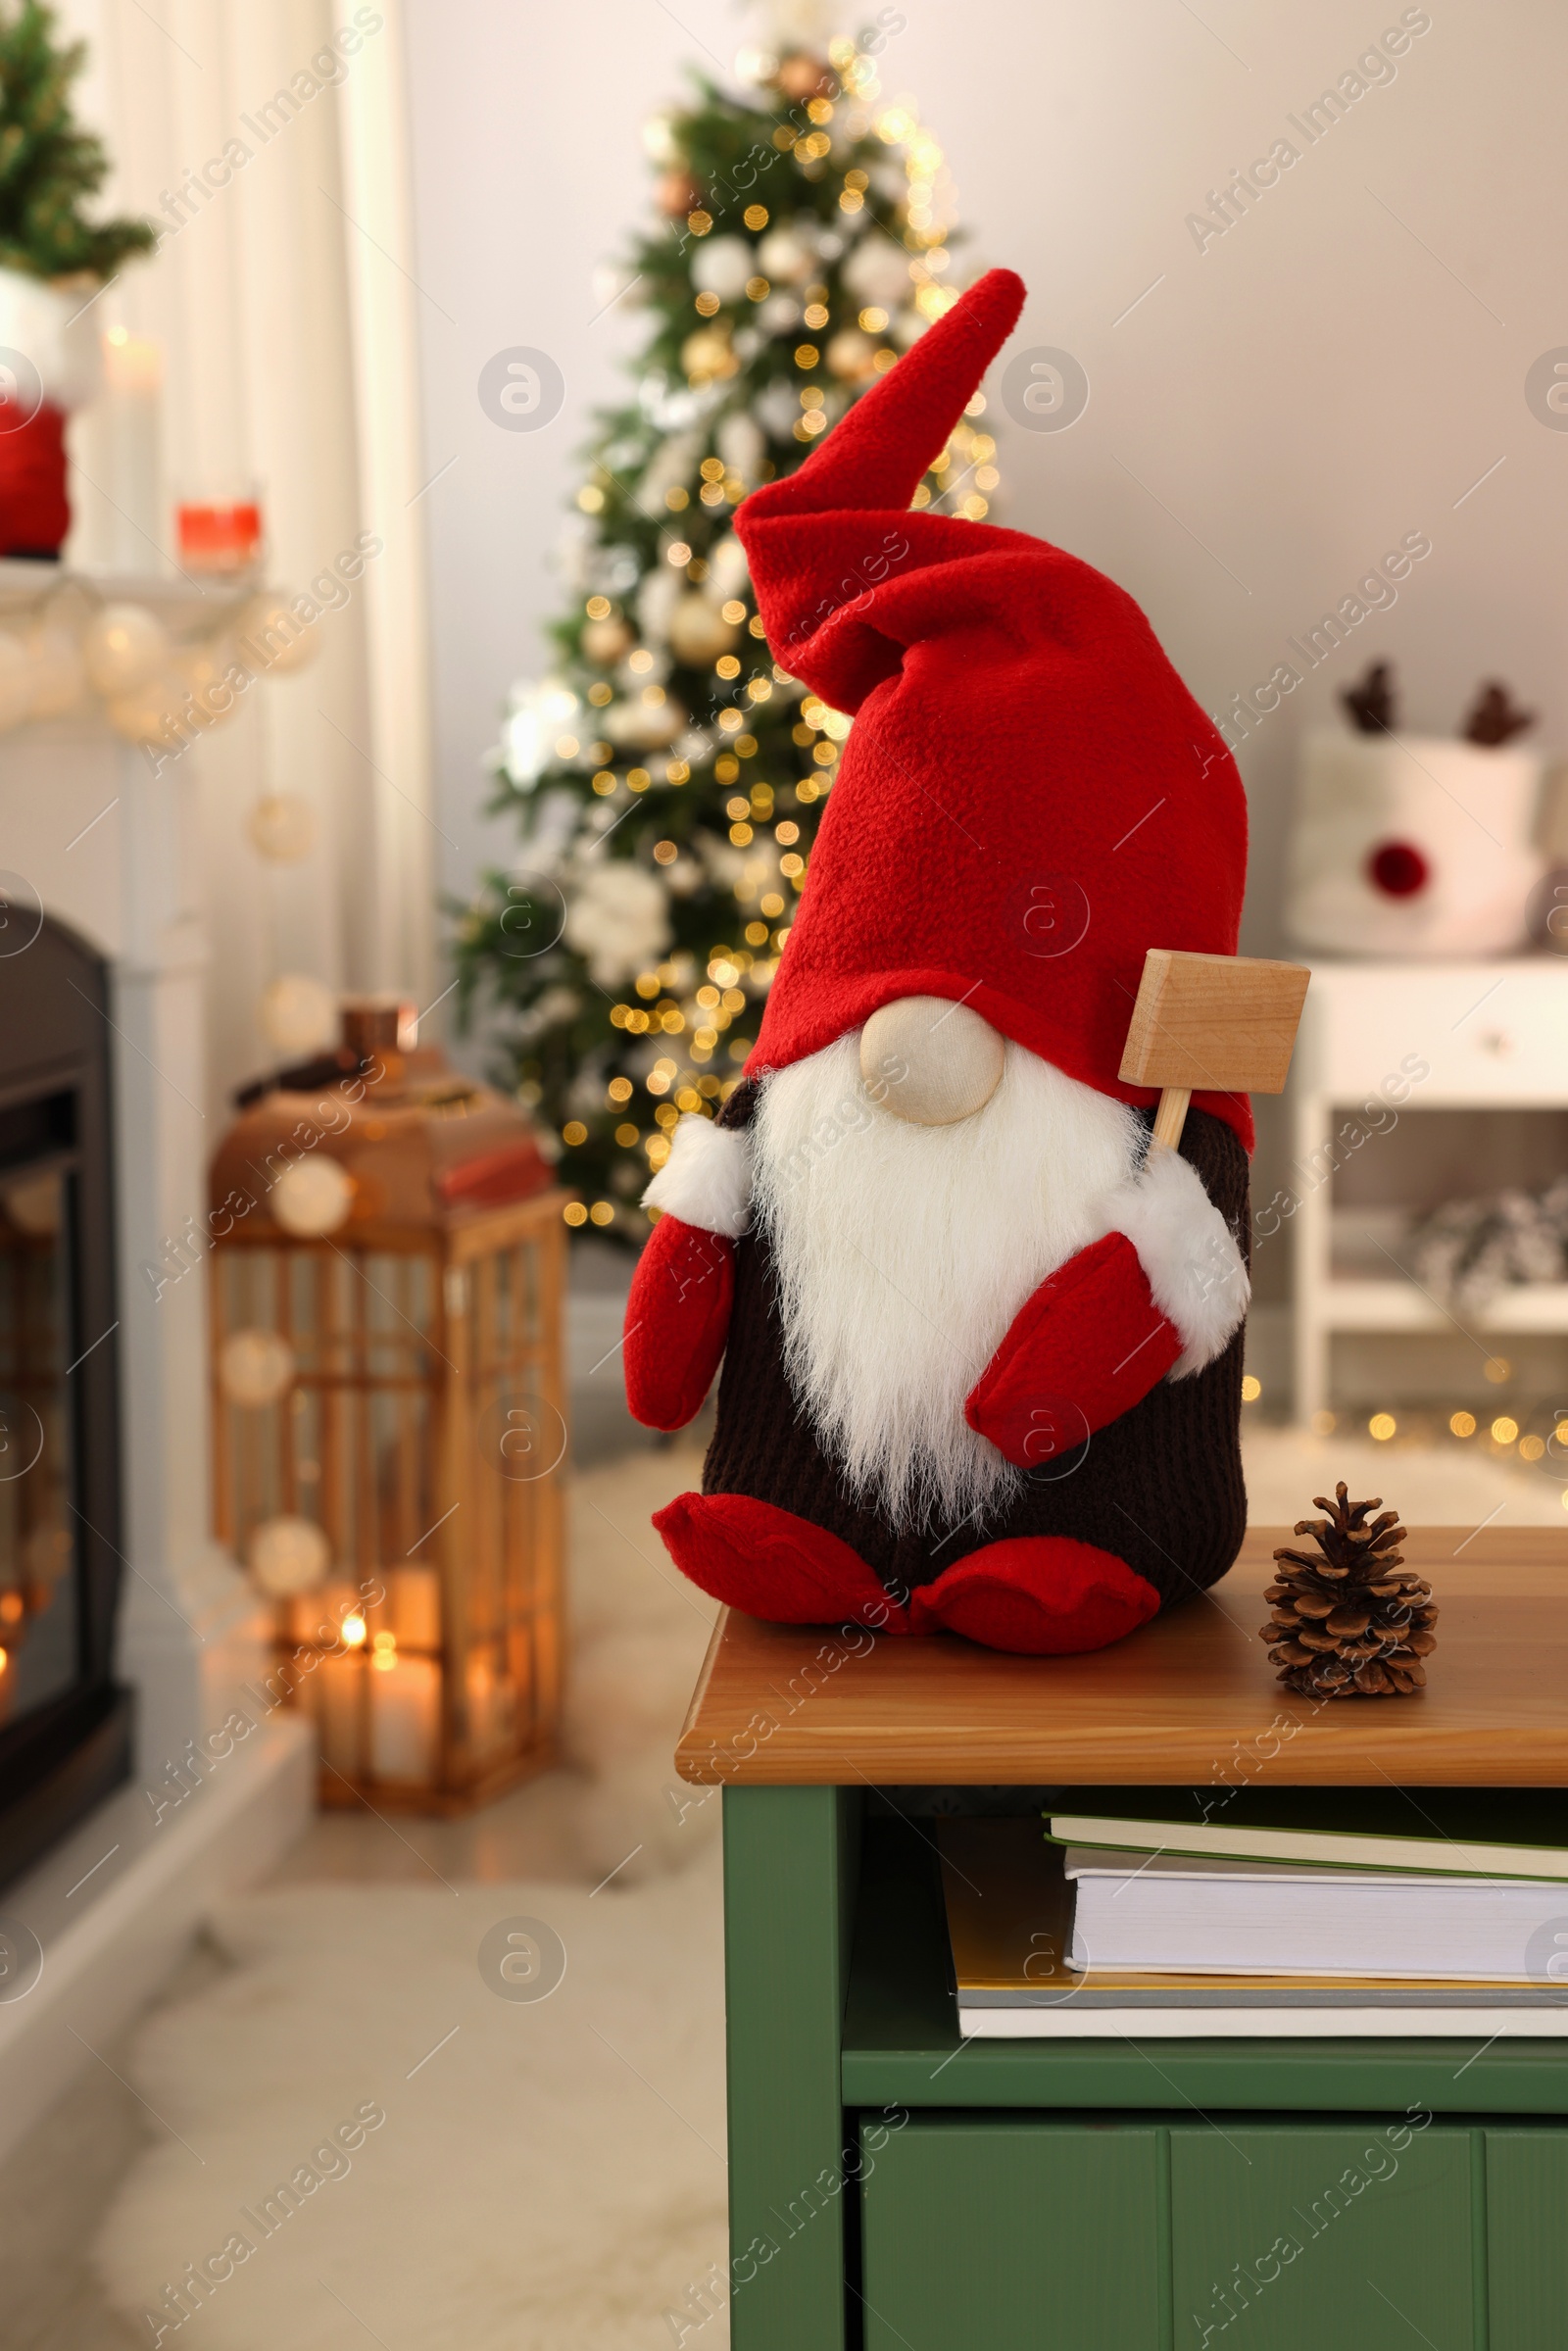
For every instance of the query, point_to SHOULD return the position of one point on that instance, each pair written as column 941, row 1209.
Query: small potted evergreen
column 53, row 259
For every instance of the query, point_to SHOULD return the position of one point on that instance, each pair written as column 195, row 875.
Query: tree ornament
column 288, row 1555
column 699, row 632
column 878, row 272
column 619, row 921
column 275, row 638
column 606, row 642
column 15, row 681
column 787, row 256
column 852, row 356
column 643, row 726
column 299, row 1015
column 58, row 671
column 708, row 356
column 658, row 141
column 1351, row 1621
column 676, row 193
column 313, row 1198
column 124, row 646
column 743, row 448
column 804, row 76
column 281, row 827
column 722, row 266
column 255, row 1368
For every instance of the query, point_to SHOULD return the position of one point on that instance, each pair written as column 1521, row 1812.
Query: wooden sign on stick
column 1214, row 1024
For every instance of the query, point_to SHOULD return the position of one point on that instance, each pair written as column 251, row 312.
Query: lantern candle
column 405, row 1716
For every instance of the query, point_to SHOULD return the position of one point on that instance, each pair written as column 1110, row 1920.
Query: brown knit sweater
column 1162, row 1488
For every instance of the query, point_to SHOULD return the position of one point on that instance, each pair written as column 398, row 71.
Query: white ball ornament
column 200, row 671
column 785, row 256
column 699, row 632
column 313, row 1198
column 606, row 641
column 57, row 669
column 852, row 356
column 741, row 446
column 721, row 266
column 15, row 681
column 275, row 639
column 288, row 1555
column 147, row 713
column 299, row 1015
column 124, row 646
column 255, row 1368
column 281, row 827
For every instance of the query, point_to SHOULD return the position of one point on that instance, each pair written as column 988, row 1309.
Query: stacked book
column 1218, row 1912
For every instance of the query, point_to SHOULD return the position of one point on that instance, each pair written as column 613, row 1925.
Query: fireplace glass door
column 40, row 1629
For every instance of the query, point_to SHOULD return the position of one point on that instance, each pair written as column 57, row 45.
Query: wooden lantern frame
column 448, row 1334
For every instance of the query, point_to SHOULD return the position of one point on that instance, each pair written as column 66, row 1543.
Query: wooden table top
column 1190, row 1699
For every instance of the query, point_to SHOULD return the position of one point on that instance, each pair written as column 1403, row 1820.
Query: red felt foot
column 1042, row 1596
column 772, row 1564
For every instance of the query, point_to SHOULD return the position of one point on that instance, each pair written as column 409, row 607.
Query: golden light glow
column 574, row 1212
column 1497, row 1369
column 1381, row 1426
column 602, row 1212
column 1252, row 1389
column 1531, row 1448
column 598, row 608
column 354, row 1630
column 574, row 1132
column 1463, row 1423
column 1504, row 1430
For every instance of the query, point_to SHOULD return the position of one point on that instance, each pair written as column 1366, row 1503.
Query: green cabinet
column 1086, row 2232
column 1000, row 2234
column 1527, row 2239
column 1295, row 2234
column 895, row 2189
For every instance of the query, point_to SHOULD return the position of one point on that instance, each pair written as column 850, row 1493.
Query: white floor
column 529, row 2187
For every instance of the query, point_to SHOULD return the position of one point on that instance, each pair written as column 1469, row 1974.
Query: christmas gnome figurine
column 982, row 1349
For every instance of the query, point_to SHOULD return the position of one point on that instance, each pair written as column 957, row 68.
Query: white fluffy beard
column 905, row 1251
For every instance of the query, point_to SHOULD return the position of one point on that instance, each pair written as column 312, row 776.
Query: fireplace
column 65, row 1722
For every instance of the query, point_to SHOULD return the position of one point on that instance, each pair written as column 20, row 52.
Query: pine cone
column 1353, row 1621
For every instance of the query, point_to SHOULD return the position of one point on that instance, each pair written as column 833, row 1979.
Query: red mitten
column 1086, row 1347
column 677, row 1320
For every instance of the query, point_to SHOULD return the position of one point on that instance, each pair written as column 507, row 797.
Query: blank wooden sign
column 1218, row 1024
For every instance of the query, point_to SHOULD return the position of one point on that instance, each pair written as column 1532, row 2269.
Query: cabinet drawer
column 1027, row 2233
column 1488, row 1032
column 1016, row 2234
column 1302, row 2234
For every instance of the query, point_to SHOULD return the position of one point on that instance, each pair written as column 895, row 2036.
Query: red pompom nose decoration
column 1397, row 870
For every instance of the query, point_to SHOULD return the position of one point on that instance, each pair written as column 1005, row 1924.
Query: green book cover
column 1437, row 1831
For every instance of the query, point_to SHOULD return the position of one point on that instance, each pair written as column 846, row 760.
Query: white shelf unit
column 1490, row 1036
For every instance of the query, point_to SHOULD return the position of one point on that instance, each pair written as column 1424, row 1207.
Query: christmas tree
column 669, row 773
column 48, row 166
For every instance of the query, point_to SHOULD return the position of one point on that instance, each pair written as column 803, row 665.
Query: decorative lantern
column 388, row 1267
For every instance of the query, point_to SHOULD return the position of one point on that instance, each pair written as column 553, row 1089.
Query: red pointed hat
column 1029, row 796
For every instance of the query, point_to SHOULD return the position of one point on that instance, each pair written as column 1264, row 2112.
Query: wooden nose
column 930, row 1060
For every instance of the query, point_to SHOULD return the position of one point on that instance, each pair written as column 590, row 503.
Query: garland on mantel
column 158, row 685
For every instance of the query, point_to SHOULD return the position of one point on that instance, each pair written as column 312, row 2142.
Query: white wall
column 1317, row 381
column 1281, row 408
